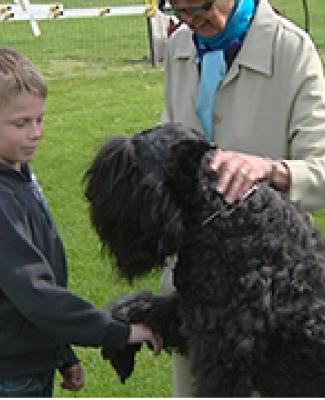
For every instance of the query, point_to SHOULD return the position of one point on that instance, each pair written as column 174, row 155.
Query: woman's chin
column 206, row 30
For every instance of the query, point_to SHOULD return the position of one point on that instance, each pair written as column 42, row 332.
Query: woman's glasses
column 192, row 10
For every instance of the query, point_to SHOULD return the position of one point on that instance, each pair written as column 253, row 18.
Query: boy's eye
column 20, row 123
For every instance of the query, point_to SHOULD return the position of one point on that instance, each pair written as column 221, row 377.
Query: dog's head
column 138, row 188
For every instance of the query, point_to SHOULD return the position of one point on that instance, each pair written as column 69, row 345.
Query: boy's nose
column 35, row 129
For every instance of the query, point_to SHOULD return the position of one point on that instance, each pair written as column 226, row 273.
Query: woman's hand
column 238, row 172
column 140, row 333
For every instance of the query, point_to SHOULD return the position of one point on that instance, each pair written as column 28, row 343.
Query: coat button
column 216, row 118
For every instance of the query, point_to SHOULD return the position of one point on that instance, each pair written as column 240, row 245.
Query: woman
column 252, row 82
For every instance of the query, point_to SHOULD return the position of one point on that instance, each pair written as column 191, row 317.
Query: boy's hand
column 140, row 333
column 73, row 377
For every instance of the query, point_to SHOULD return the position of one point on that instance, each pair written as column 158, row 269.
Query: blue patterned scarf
column 213, row 67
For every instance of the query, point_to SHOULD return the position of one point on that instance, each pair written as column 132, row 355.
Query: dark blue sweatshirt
column 39, row 317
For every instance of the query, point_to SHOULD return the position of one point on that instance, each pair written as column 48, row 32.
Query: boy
column 39, row 317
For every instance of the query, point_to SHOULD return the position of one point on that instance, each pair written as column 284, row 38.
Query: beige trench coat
column 271, row 103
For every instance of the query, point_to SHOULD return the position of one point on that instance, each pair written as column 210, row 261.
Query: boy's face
column 21, row 125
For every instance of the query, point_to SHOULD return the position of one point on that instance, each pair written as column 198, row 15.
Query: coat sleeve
column 28, row 282
column 307, row 131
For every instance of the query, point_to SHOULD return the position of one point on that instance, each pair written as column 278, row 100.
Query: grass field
column 98, row 88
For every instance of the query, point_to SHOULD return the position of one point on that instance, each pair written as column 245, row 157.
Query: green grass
column 80, row 43
column 81, row 112
column 98, row 87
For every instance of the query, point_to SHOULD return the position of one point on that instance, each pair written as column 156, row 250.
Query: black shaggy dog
column 249, row 306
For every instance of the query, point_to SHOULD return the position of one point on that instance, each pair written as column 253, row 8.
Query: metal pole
column 151, row 44
column 307, row 15
column 150, row 12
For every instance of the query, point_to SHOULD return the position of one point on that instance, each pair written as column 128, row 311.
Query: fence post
column 150, row 11
column 307, row 16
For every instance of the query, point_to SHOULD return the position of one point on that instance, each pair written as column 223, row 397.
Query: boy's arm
column 28, row 282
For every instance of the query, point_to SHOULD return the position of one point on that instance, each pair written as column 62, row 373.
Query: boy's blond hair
column 18, row 75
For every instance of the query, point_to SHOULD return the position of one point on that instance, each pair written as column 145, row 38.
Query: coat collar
column 184, row 46
column 257, row 50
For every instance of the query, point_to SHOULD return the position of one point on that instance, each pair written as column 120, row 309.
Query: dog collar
column 229, row 209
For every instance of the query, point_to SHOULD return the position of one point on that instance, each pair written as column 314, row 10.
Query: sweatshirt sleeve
column 67, row 357
column 28, row 282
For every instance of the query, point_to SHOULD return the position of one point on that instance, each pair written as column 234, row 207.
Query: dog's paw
column 122, row 361
column 157, row 312
column 132, row 308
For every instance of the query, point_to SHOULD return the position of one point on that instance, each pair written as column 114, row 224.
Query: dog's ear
column 189, row 151
column 185, row 163
column 107, row 185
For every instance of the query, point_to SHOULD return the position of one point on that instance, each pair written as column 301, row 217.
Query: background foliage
column 101, row 84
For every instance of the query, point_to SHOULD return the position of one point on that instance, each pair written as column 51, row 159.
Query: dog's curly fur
column 249, row 310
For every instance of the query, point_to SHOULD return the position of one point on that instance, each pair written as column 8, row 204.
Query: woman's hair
column 17, row 76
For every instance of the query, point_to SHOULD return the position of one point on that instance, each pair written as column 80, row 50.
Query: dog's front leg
column 160, row 313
